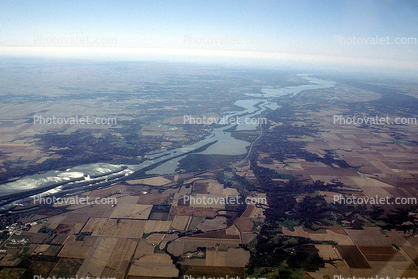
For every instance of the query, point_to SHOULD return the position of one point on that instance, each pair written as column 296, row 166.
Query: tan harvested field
column 398, row 238
column 194, row 262
column 40, row 249
column 66, row 268
column 155, row 238
column 248, row 211
column 214, row 187
column 188, row 211
column 76, row 249
column 143, row 248
column 377, row 154
column 232, row 230
column 115, row 227
column 181, row 222
column 153, row 181
column 411, row 253
column 128, row 200
column 120, row 258
column 409, row 273
column 298, row 232
column 213, row 224
column 372, row 187
column 65, row 228
column 52, row 250
column 215, row 257
column 77, row 217
column 53, row 222
column 231, row 192
column 328, row 252
column 156, row 226
column 413, row 241
column 107, row 191
column 38, row 238
column 244, row 224
column 97, row 211
column 98, row 257
column 94, row 224
column 195, row 221
column 152, row 266
column 156, row 198
column 237, row 257
column 230, row 258
column 200, row 187
column 190, row 244
column 218, row 235
column 132, row 211
column 369, row 236
column 59, row 239
column 35, row 228
column 397, row 192
column 341, row 239
column 163, row 244
column 216, row 201
column 248, row 237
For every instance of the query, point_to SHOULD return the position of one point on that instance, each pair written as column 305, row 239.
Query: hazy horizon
column 346, row 35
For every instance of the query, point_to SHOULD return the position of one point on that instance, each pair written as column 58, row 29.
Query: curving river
column 220, row 143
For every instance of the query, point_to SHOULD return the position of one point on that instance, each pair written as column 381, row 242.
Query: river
column 222, row 143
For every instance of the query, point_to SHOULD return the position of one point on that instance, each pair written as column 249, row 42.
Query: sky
column 362, row 34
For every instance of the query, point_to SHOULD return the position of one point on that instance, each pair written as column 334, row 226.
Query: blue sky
column 269, row 32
